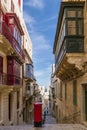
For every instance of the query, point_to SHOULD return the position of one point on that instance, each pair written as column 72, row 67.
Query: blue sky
column 41, row 20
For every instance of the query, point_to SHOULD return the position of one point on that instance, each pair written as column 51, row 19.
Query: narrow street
column 49, row 118
column 50, row 124
column 46, row 127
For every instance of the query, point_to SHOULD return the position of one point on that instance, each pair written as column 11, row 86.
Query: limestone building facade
column 16, row 66
column 70, row 50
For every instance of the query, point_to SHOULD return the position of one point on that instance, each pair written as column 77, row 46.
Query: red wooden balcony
column 10, row 80
column 4, row 30
column 3, row 78
column 14, row 80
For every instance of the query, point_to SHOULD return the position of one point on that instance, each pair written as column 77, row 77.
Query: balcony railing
column 29, row 71
column 60, row 55
column 14, row 80
column 3, row 78
column 70, row 45
column 10, row 80
column 4, row 30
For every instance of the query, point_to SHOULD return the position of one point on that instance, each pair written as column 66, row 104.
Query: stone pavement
column 46, row 127
column 50, row 120
column 50, row 124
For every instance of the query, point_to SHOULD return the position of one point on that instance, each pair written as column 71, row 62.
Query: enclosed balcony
column 10, row 80
column 13, row 71
column 14, row 80
column 28, row 72
column 9, row 42
column 70, row 46
column 3, row 79
column 69, row 41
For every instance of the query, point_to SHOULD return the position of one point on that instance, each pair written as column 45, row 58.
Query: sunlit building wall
column 15, row 59
column 70, row 50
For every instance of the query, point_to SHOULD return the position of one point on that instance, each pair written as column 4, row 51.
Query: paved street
column 49, row 118
column 45, row 127
column 50, row 124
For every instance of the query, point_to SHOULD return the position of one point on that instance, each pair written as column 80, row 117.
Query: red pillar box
column 38, row 114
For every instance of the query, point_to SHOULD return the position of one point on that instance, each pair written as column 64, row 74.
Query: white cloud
column 29, row 20
column 39, row 4
column 40, row 42
column 48, row 19
column 43, row 76
column 41, row 48
column 39, row 73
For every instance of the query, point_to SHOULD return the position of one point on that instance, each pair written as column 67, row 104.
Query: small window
column 60, row 89
column 79, row 13
column 12, row 6
column 1, row 64
column 71, row 13
column 71, row 27
column 75, row 21
column 79, row 24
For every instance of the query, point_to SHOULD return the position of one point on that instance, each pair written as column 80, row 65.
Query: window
column 17, row 35
column 1, row 16
column 1, row 64
column 16, row 68
column 71, row 13
column 75, row 92
column 65, row 91
column 71, row 27
column 0, row 105
column 18, row 99
column 79, row 13
column 79, row 27
column 74, row 21
column 12, row 6
column 60, row 89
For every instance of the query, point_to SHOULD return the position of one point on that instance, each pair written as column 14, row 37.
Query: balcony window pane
column 72, row 27
column 29, row 71
column 79, row 13
column 71, row 13
column 16, row 68
column 79, row 27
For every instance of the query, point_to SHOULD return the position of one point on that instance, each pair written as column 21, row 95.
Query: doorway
column 86, row 103
column 1, row 69
column 1, row 64
column 10, row 105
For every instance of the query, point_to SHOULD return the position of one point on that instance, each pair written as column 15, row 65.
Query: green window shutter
column 65, row 91
column 60, row 89
column 75, row 92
